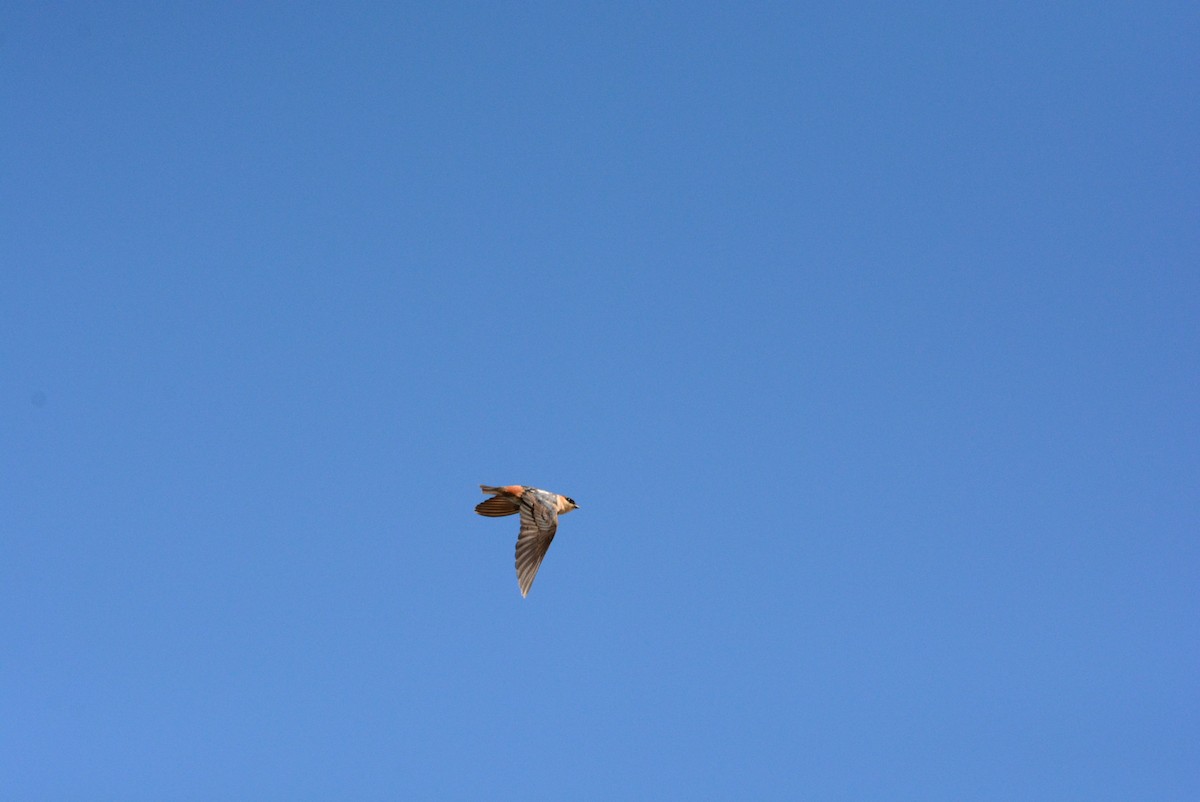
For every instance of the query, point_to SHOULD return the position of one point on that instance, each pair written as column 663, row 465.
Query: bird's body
column 539, row 510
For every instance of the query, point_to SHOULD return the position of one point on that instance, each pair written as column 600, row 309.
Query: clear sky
column 866, row 335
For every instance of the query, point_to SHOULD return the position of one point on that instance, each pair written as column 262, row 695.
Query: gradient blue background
column 866, row 337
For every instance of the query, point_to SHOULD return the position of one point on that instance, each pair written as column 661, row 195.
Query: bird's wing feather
column 539, row 521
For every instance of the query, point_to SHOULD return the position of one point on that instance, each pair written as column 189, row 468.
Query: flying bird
column 539, row 519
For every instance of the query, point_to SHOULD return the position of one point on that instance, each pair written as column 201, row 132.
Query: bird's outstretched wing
column 539, row 520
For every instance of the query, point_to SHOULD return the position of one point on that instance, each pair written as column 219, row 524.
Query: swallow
column 539, row 520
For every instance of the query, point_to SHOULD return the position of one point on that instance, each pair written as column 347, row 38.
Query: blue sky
column 865, row 337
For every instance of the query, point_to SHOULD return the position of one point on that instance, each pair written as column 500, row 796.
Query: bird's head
column 568, row 505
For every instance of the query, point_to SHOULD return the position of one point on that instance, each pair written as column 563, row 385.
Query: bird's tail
column 501, row 504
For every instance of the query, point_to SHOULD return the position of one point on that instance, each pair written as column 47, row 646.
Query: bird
column 539, row 511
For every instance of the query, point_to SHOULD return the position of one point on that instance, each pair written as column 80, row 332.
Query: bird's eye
column 570, row 499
